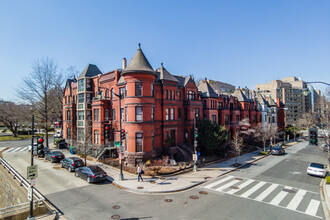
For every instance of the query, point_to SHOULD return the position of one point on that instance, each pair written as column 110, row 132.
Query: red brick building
column 157, row 109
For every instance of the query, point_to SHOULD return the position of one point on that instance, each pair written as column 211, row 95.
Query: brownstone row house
column 156, row 110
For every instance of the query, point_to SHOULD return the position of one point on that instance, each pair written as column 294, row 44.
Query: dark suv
column 71, row 163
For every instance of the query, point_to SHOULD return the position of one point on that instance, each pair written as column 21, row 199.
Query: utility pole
column 195, row 144
column 31, row 217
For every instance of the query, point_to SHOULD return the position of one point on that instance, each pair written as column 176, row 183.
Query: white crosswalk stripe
column 16, row 149
column 270, row 193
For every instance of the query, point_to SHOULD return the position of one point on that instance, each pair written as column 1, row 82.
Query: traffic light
column 312, row 136
column 196, row 132
column 40, row 146
column 106, row 131
column 122, row 134
column 40, row 140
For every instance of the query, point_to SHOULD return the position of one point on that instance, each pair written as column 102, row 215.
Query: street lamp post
column 121, row 175
column 31, row 217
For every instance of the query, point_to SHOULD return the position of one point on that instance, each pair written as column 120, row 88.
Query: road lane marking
column 218, row 182
column 227, row 185
column 253, row 189
column 265, row 193
column 296, row 199
column 279, row 197
column 241, row 186
column 24, row 149
column 16, row 149
column 312, row 207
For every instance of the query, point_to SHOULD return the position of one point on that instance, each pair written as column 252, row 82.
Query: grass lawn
column 12, row 138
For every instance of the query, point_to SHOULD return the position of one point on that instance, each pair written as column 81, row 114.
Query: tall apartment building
column 290, row 91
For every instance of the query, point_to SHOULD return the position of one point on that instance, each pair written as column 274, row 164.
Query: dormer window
column 191, row 95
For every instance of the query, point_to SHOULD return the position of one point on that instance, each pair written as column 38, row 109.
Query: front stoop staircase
column 102, row 150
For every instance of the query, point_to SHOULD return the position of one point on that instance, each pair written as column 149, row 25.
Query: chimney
column 124, row 63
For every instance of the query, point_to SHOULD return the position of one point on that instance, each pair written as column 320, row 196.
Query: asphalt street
column 263, row 190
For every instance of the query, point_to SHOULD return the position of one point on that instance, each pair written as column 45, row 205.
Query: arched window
column 96, row 137
column 166, row 94
column 112, row 94
column 107, row 94
column 170, row 94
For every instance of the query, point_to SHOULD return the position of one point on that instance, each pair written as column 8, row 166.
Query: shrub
column 264, row 152
column 327, row 179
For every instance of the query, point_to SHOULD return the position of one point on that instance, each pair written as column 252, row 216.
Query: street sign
column 122, row 149
column 194, row 157
column 117, row 143
column 29, row 193
column 195, row 143
column 32, row 172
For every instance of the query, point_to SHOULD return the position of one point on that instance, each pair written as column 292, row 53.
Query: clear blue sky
column 241, row 42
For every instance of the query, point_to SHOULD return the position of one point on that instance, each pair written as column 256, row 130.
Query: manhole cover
column 140, row 187
column 162, row 178
column 289, row 190
column 234, row 187
column 194, row 197
column 115, row 217
column 56, row 168
column 238, row 179
column 168, row 200
column 203, row 193
column 152, row 181
column 116, row 207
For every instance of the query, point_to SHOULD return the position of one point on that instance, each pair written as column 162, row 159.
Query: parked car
column 54, row 156
column 317, row 169
column 71, row 163
column 326, row 148
column 92, row 174
column 277, row 151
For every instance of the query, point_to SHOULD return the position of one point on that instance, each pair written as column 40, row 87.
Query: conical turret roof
column 139, row 64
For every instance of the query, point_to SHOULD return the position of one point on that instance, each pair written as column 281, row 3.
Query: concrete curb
column 324, row 199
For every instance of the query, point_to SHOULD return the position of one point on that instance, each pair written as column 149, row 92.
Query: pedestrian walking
column 140, row 172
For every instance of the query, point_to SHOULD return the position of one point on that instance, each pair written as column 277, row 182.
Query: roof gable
column 206, row 89
column 90, row 71
column 240, row 96
column 189, row 79
column 165, row 75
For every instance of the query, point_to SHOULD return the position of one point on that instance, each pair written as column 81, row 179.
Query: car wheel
column 89, row 180
column 76, row 174
column 70, row 169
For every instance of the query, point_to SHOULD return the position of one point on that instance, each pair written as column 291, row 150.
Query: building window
column 80, row 134
column 125, row 90
column 152, row 90
column 191, row 95
column 179, row 113
column 106, row 94
column 112, row 94
column 204, row 104
column 81, row 85
column 68, row 131
column 185, row 114
column 214, row 118
column 253, row 118
column 273, row 119
column 89, row 85
column 122, row 114
column 237, row 118
column 179, row 95
column 172, row 114
column 81, row 98
column 96, row 114
column 166, row 94
column 113, row 114
column 139, row 142
column 126, row 115
column 89, row 115
column 96, row 137
column 167, row 114
column 138, row 88
column 152, row 113
column 173, row 95
column 226, row 119
column 197, row 113
column 106, row 114
column 122, row 92
column 138, row 113
column 68, row 115
column 80, row 115
column 169, row 94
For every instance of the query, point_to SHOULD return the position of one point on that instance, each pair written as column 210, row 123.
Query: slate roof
column 69, row 81
column 165, row 75
column 240, row 96
column 261, row 100
column 206, row 89
column 271, row 102
column 181, row 80
column 138, row 64
column 90, row 71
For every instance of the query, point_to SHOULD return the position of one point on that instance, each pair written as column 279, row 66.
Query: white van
column 58, row 134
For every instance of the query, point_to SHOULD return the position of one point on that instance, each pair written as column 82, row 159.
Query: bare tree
column 273, row 133
column 263, row 133
column 11, row 115
column 307, row 120
column 36, row 88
